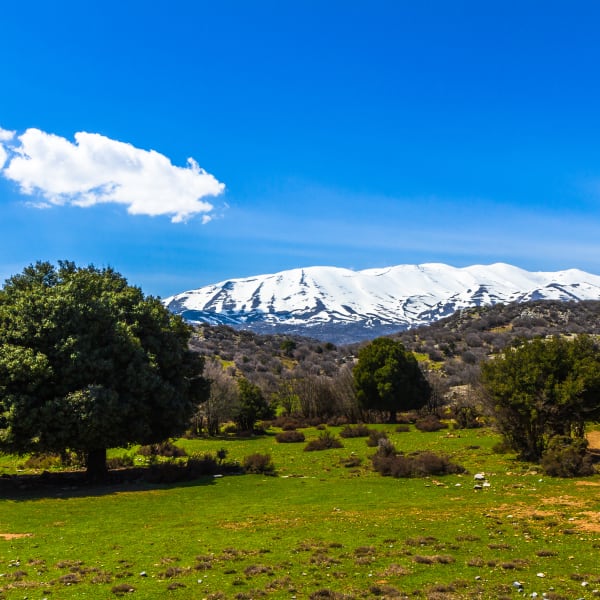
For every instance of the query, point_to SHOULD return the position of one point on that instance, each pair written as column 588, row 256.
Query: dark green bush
column 201, row 465
column 567, row 457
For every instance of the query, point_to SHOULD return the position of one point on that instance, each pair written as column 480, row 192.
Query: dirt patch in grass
column 592, row 522
column 589, row 483
column 565, row 501
column 14, row 536
column 593, row 437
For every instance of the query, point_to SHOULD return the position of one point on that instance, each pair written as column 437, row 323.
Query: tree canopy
column 388, row 379
column 544, row 388
column 87, row 362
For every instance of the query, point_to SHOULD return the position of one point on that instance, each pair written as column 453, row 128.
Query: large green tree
column 388, row 379
column 544, row 388
column 87, row 362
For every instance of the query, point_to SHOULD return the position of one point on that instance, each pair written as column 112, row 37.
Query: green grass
column 317, row 526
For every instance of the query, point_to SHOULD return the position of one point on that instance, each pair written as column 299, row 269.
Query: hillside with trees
column 452, row 347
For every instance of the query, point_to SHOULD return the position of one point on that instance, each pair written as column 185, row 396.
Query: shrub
column 355, row 431
column 567, row 457
column 466, row 417
column 167, row 472
column 43, row 461
column 290, row 436
column 325, row 441
column 200, row 465
column 419, row 464
column 259, row 464
column 351, row 462
column 402, row 428
column 166, row 448
column 375, row 435
column 430, row 423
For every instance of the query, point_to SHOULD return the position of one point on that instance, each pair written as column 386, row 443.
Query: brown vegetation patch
column 593, row 438
column 14, row 536
column 564, row 501
column 591, row 522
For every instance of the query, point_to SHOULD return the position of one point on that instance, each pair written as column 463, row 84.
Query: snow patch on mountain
column 342, row 305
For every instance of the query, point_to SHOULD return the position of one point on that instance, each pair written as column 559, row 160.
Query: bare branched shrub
column 258, row 463
column 355, row 431
column 375, row 435
column 430, row 423
column 420, row 464
column 166, row 448
column 290, row 436
column 325, row 441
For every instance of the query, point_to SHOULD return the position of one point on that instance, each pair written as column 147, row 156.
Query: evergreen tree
column 544, row 388
column 388, row 379
column 88, row 363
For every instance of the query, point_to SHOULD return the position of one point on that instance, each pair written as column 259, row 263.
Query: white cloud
column 96, row 169
column 5, row 136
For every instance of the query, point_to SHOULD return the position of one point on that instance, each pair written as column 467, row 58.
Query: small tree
column 88, row 363
column 544, row 388
column 222, row 403
column 388, row 379
column 252, row 405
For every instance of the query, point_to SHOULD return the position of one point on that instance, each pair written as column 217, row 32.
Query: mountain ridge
column 345, row 306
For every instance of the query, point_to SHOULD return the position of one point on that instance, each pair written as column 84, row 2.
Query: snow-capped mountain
column 342, row 306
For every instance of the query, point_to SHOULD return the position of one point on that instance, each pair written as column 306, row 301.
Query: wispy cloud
column 96, row 169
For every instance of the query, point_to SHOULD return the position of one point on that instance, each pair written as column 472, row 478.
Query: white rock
column 479, row 476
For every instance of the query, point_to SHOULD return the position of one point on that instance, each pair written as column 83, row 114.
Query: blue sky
column 354, row 134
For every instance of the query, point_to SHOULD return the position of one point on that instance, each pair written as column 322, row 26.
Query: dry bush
column 375, row 435
column 258, row 463
column 355, row 431
column 290, row 437
column 351, row 462
column 167, row 449
column 122, row 588
column 430, row 423
column 420, row 464
column 43, row 461
column 325, row 441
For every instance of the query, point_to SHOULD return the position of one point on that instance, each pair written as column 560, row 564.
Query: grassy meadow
column 318, row 529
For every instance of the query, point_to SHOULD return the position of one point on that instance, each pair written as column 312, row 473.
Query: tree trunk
column 96, row 465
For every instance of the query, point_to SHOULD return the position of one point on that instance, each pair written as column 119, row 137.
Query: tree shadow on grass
column 71, row 484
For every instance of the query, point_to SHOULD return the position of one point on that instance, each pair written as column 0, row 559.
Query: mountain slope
column 342, row 306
